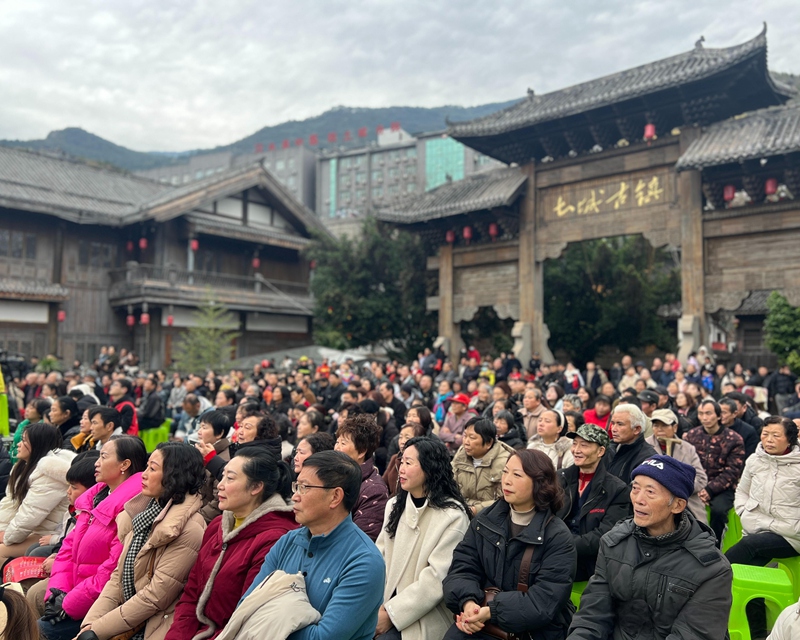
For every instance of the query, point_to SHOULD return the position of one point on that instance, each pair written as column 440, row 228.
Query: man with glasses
column 343, row 569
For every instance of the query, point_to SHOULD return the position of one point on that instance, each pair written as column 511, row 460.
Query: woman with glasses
column 253, row 496
column 421, row 527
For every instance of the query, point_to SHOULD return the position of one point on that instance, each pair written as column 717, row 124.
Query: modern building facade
column 90, row 257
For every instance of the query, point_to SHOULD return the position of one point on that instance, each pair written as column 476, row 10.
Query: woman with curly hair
column 516, row 539
column 423, row 524
column 160, row 547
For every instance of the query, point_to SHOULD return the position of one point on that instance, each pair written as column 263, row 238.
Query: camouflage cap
column 591, row 433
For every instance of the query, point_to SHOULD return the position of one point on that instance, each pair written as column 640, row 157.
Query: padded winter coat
column 480, row 485
column 42, row 511
column 371, row 502
column 560, row 452
column 89, row 554
column 228, row 562
column 767, row 495
column 171, row 551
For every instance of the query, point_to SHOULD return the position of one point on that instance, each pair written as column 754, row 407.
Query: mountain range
column 78, row 143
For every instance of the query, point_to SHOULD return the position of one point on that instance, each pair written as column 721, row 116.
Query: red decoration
column 771, row 186
column 493, row 230
column 450, row 236
column 298, row 142
column 170, row 320
column 649, row 132
column 259, row 147
column 62, row 315
column 285, row 144
column 728, row 192
column 395, row 126
column 130, row 320
column 194, row 243
column 256, row 262
column 143, row 243
column 362, row 132
column 313, row 139
column 312, row 265
column 271, row 146
column 332, row 137
column 379, row 129
column 145, row 318
column 467, row 233
column 347, row 136
column 129, row 246
column 265, row 363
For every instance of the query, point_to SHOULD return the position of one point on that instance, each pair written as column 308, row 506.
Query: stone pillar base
column 526, row 343
column 689, row 338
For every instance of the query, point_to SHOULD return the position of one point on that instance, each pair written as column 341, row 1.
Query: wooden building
column 660, row 150
column 90, row 257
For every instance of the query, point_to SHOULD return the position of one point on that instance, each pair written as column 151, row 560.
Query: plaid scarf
column 142, row 526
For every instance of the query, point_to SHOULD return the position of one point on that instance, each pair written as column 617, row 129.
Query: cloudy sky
column 172, row 75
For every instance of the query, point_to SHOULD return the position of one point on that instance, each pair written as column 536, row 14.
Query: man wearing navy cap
column 658, row 573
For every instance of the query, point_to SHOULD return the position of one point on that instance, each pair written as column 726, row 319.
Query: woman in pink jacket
column 90, row 552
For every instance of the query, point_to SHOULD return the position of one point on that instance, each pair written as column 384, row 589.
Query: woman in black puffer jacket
column 491, row 555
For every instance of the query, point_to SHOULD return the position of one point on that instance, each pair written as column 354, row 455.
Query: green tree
column 371, row 290
column 607, row 292
column 209, row 344
column 782, row 330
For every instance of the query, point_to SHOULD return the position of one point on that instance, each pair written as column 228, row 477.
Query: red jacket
column 212, row 592
column 591, row 417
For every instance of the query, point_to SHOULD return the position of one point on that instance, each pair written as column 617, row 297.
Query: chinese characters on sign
column 631, row 193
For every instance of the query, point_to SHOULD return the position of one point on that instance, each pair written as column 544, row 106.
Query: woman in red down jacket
column 253, row 495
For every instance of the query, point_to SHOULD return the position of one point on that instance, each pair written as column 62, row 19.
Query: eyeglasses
column 302, row 489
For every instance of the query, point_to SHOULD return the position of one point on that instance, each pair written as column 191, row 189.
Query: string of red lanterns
column 332, row 136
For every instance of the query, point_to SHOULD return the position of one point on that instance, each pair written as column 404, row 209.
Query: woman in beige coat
column 160, row 547
column 423, row 524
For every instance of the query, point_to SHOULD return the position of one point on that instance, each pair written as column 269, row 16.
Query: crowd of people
column 386, row 500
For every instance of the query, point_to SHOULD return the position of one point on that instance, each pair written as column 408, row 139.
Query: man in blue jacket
column 343, row 569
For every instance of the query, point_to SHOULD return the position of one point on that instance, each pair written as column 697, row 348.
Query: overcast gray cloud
column 176, row 75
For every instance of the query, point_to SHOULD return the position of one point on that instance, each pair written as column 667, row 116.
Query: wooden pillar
column 448, row 330
column 530, row 332
column 692, row 325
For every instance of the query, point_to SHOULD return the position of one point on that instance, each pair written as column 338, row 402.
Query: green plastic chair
column 153, row 437
column 757, row 582
column 5, row 429
column 733, row 531
column 791, row 566
column 577, row 592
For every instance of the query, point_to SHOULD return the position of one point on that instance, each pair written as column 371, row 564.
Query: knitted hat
column 672, row 474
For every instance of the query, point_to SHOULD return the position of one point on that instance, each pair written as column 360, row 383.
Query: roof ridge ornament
column 699, row 43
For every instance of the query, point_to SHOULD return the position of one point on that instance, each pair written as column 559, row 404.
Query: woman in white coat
column 36, row 494
column 423, row 524
column 768, row 497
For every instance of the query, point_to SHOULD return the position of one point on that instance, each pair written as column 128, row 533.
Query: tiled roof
column 28, row 290
column 759, row 134
column 35, row 181
column 678, row 70
column 755, row 304
column 486, row 190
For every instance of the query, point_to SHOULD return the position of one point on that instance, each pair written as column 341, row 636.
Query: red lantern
column 298, row 142
column 728, row 192
column 145, row 318
column 170, row 320
column 143, row 243
column 331, row 137
column 467, row 233
column 260, row 147
column 313, row 139
column 450, row 236
column 771, row 186
column 649, row 132
column 285, row 144
column 271, row 146
column 130, row 320
column 129, row 246
column 62, row 315
column 493, row 230
column 194, row 243
column 362, row 132
column 395, row 126
column 256, row 262
column 379, row 129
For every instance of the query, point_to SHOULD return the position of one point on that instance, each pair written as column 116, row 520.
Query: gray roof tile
column 486, row 190
column 759, row 134
column 33, row 290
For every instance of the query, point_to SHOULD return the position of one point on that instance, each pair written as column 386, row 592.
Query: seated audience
column 344, row 571
column 422, row 526
column 310, row 445
column 551, row 439
column 516, row 534
column 628, row 449
column 507, row 430
column 408, row 431
column 358, row 436
column 478, row 464
column 162, row 530
column 90, row 553
column 594, row 500
column 252, row 495
column 36, row 494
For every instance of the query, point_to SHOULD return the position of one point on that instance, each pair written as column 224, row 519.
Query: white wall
column 30, row 312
